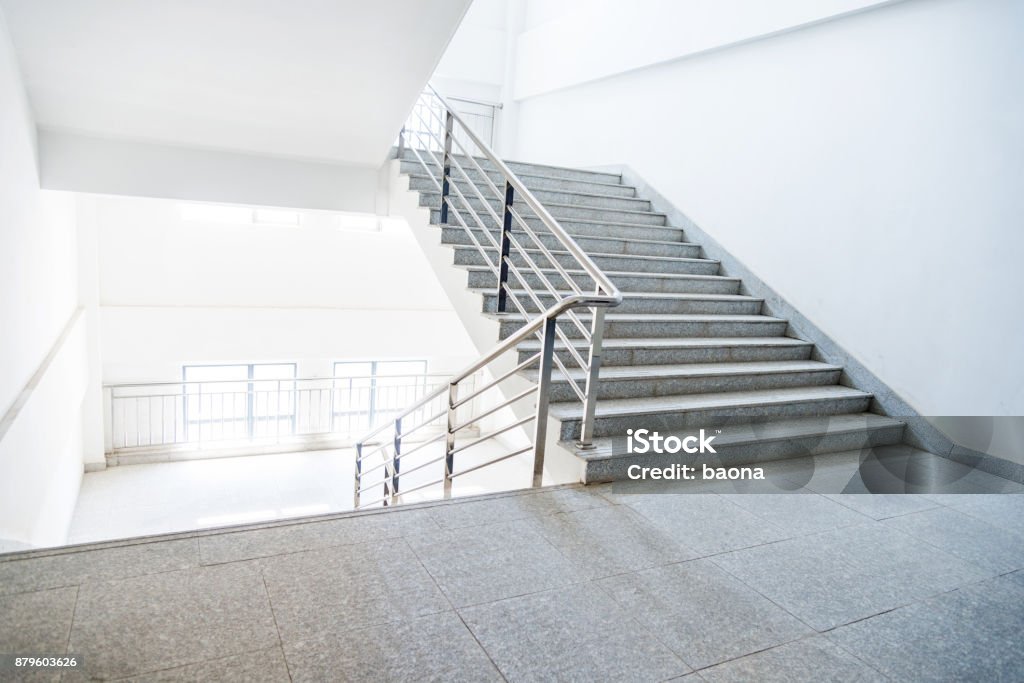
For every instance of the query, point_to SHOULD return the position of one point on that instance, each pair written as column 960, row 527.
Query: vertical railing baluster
column 358, row 474
column 506, row 246
column 449, row 442
column 540, row 423
column 586, row 441
column 449, row 126
column 396, row 463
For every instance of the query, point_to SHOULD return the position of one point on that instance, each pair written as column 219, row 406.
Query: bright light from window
column 215, row 213
column 276, row 217
column 362, row 222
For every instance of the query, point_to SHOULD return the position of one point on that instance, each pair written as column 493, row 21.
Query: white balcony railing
column 236, row 413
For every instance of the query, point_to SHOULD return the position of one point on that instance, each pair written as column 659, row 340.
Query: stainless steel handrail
column 540, row 322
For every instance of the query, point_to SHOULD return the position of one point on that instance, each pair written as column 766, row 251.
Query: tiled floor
column 159, row 498
column 573, row 583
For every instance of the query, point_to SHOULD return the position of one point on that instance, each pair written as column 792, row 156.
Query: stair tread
column 758, row 432
column 665, row 317
column 670, row 342
column 615, row 238
column 686, row 296
column 616, row 407
column 623, row 273
column 598, row 254
column 700, row 369
column 587, row 221
column 457, row 178
column 552, row 206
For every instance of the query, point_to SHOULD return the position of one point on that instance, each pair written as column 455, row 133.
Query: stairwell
column 686, row 349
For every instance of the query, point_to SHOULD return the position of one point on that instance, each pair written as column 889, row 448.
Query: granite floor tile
column 37, row 623
column 965, row 537
column 970, row 634
column 812, row 660
column 799, row 514
column 485, row 563
column 835, row 577
column 610, row 540
column 347, row 587
column 1004, row 511
column 882, row 505
column 1016, row 577
column 707, row 523
column 261, row 666
column 290, row 538
column 702, row 613
column 569, row 634
column 72, row 569
column 127, row 627
column 520, row 506
column 437, row 647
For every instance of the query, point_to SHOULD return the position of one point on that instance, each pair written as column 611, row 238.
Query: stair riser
column 519, row 167
column 737, row 455
column 631, row 305
column 714, row 354
column 655, row 386
column 624, row 329
column 560, row 213
column 544, row 196
column 712, row 418
column 591, row 228
column 626, row 283
column 591, row 245
column 629, row 264
column 534, row 182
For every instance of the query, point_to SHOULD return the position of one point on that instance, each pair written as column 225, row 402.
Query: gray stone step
column 750, row 443
column 471, row 256
column 624, row 325
column 534, row 181
column 692, row 283
column 669, row 351
column 643, row 302
column 539, row 169
column 710, row 411
column 559, row 211
column 579, row 226
column 602, row 245
column 694, row 378
column 575, row 198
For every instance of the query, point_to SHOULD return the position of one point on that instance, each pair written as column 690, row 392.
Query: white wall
column 173, row 291
column 868, row 169
column 41, row 370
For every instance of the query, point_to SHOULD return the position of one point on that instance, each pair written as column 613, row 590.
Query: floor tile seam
column 82, row 548
column 71, row 623
column 194, row 663
column 935, row 506
column 945, row 552
column 90, row 581
column 273, row 616
column 806, row 636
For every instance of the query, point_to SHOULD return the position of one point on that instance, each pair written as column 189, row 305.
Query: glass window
column 239, row 401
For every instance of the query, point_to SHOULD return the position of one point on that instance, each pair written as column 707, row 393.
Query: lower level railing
column 258, row 412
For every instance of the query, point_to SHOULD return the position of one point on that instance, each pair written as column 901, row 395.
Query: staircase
column 666, row 342
column 685, row 350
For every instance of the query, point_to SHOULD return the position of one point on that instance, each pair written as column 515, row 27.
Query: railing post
column 449, row 127
column 449, row 442
column 543, row 394
column 506, row 244
column 586, row 441
column 359, row 474
column 396, row 463
column 401, row 143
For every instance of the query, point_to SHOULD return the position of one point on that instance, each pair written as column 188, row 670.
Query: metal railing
column 259, row 411
column 504, row 222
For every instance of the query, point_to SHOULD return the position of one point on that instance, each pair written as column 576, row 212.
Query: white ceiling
column 314, row 79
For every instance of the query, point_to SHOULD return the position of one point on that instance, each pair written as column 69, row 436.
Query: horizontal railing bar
column 491, row 385
column 497, row 432
column 439, row 376
column 474, row 468
column 490, row 411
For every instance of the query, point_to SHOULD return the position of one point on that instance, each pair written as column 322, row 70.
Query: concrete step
column 709, row 411
column 692, row 283
column 624, row 325
column 574, row 197
column 582, row 226
column 471, row 256
column 669, row 351
column 695, row 378
column 520, row 167
column 643, row 302
column 457, row 235
column 558, row 210
column 534, row 181
column 750, row 443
